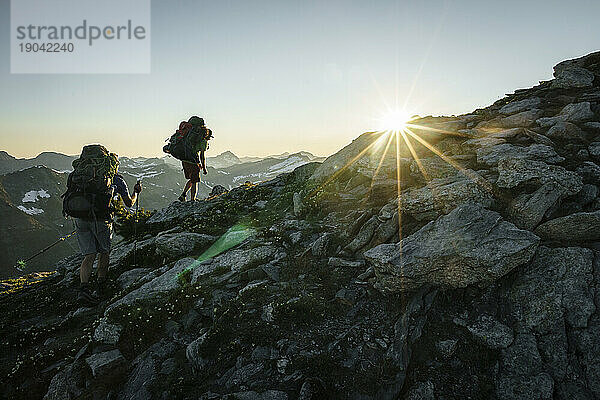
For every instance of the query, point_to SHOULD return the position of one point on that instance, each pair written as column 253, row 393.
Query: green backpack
column 89, row 186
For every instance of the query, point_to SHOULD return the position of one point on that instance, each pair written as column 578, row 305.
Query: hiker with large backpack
column 88, row 199
column 188, row 144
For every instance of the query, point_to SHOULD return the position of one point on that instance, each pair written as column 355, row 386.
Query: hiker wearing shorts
column 191, row 170
column 94, row 237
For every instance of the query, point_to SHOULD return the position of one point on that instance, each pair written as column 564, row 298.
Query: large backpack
column 183, row 142
column 89, row 186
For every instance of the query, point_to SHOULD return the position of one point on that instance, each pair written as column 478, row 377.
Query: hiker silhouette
column 90, row 189
column 188, row 145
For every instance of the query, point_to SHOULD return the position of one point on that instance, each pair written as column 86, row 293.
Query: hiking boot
column 102, row 288
column 86, row 297
column 181, row 198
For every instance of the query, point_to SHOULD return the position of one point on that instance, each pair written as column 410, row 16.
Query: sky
column 276, row 76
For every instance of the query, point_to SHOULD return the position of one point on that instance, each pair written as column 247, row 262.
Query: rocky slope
column 300, row 287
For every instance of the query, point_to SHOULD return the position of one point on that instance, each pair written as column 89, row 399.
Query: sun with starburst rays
column 394, row 121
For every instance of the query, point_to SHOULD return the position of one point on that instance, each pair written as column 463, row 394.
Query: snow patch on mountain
column 144, row 174
column 282, row 167
column 257, row 176
column 33, row 195
column 30, row 211
column 288, row 165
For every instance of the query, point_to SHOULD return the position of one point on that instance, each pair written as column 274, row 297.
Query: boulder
column 539, row 152
column 592, row 126
column 130, row 277
column 521, row 375
column 587, row 195
column 124, row 252
column 107, row 333
column 524, row 119
column 336, row 262
column 386, row 230
column 565, row 131
column 556, row 286
column 144, row 375
column 594, row 150
column 440, row 196
column 158, row 286
column 470, row 245
column 489, row 331
column 364, row 235
column 572, row 77
column 237, row 260
column 261, row 204
column 65, row 385
column 573, row 228
column 106, row 364
column 177, row 245
column 515, row 172
column 520, row 105
column 590, row 172
column 320, row 247
column 572, row 112
column 528, row 209
column 179, row 211
column 192, row 352
column 434, row 167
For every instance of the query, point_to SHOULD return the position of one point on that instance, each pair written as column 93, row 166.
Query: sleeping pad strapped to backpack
column 89, row 186
column 183, row 142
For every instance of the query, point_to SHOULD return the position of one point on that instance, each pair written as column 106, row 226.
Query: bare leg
column 187, row 187
column 86, row 267
column 103, row 259
column 193, row 191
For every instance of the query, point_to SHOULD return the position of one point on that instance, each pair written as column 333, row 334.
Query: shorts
column 93, row 236
column 191, row 171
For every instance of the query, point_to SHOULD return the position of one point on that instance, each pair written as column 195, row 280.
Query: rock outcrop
column 469, row 246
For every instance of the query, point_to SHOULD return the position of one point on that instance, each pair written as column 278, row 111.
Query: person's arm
column 121, row 186
column 203, row 163
column 130, row 200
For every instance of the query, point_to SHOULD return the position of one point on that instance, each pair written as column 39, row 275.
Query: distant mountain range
column 31, row 207
column 62, row 162
column 52, row 160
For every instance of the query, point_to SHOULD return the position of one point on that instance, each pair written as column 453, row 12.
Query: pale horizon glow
column 271, row 77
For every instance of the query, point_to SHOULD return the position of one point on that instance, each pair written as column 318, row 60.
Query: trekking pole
column 21, row 263
column 137, row 208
